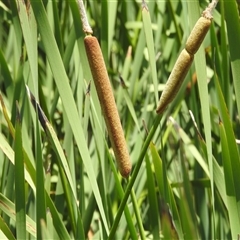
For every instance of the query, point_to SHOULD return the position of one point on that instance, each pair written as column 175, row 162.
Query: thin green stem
column 134, row 176
column 137, row 213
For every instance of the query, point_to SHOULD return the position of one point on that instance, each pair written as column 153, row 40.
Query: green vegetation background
column 63, row 182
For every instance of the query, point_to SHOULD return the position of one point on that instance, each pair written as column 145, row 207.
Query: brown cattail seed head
column 108, row 105
column 197, row 35
column 175, row 80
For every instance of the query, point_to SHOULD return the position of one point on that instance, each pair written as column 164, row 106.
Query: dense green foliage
column 61, row 181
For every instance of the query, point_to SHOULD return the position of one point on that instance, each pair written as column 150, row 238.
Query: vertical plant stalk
column 186, row 57
column 86, row 27
column 106, row 97
column 19, row 180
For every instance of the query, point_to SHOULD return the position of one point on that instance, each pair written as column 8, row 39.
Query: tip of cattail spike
column 197, row 35
column 175, row 80
column 160, row 109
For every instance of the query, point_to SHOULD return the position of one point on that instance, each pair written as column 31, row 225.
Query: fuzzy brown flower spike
column 105, row 96
column 108, row 105
column 186, row 57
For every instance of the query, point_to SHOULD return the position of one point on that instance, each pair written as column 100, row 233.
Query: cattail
column 197, row 35
column 185, row 58
column 175, row 79
column 108, row 105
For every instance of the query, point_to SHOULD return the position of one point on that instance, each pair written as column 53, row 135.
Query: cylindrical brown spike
column 185, row 59
column 175, row 79
column 108, row 105
column 197, row 35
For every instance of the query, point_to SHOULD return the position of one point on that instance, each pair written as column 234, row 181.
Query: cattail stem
column 108, row 105
column 86, row 26
column 185, row 59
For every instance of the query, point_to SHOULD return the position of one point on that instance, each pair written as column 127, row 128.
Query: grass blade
column 63, row 165
column 231, row 190
column 19, row 182
column 60, row 228
column 137, row 214
column 200, row 65
column 147, row 25
column 233, row 31
column 29, row 30
column 5, row 230
column 65, row 92
column 9, row 208
column 40, row 193
column 133, row 178
column 153, row 206
column 158, row 166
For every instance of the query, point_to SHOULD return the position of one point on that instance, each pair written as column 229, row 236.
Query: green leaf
column 5, row 230
column 147, row 25
column 233, row 32
column 164, row 187
column 231, row 168
column 9, row 208
column 40, row 193
column 19, row 182
column 29, row 30
column 65, row 92
column 152, row 194
column 230, row 190
column 133, row 177
column 200, row 65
